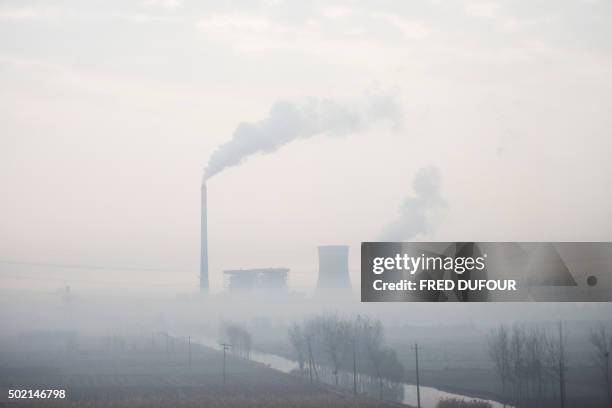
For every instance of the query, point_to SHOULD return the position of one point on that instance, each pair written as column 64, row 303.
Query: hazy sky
column 110, row 110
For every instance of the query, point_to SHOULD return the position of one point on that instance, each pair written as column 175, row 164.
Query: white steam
column 288, row 121
column 420, row 213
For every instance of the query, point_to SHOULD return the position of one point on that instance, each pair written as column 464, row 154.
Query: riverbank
column 429, row 396
column 449, row 383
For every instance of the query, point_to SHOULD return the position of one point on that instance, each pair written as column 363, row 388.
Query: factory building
column 333, row 265
column 264, row 278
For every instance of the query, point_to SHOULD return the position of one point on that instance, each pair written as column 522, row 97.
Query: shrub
column 461, row 403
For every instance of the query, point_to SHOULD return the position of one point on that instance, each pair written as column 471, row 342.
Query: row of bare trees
column 348, row 349
column 531, row 362
column 239, row 339
column 601, row 339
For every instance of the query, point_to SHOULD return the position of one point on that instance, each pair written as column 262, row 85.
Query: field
column 144, row 373
column 457, row 361
column 464, row 366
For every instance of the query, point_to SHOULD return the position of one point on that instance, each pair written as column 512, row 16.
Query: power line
column 418, row 386
column 90, row 281
column 225, row 347
column 93, row 267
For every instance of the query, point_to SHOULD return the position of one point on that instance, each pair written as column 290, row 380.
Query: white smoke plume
column 289, row 121
column 420, row 213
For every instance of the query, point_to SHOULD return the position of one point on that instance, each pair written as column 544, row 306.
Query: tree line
column 239, row 340
column 347, row 350
column 601, row 340
column 531, row 362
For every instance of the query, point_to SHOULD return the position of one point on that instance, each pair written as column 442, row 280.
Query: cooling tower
column 333, row 267
column 204, row 244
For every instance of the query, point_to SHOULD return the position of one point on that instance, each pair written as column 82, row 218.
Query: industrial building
column 333, row 265
column 263, row 278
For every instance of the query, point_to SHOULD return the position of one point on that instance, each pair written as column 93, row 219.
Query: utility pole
column 607, row 356
column 561, row 366
column 418, row 387
column 225, row 347
column 189, row 350
column 354, row 365
column 356, row 332
column 309, row 362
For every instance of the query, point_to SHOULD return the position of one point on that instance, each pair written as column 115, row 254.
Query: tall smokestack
column 204, row 244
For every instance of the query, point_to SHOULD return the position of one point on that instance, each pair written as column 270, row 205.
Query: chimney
column 204, row 244
column 333, row 267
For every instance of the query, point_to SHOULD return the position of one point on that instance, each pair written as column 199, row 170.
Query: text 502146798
column 13, row 394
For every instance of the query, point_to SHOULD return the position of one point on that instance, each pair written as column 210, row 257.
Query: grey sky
column 110, row 110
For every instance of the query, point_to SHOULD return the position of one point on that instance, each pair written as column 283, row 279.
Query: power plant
column 264, row 278
column 333, row 267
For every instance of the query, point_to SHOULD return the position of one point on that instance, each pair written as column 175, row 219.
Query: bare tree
column 334, row 338
column 562, row 364
column 372, row 340
column 309, row 332
column 392, row 369
column 356, row 329
column 335, row 345
column 557, row 360
column 499, row 350
column 520, row 357
column 298, row 341
column 601, row 339
column 517, row 361
column 240, row 340
column 534, row 362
